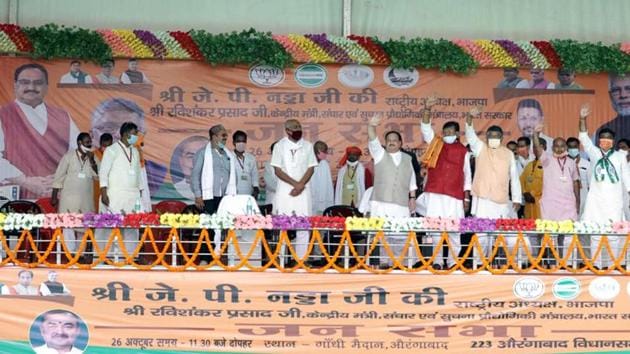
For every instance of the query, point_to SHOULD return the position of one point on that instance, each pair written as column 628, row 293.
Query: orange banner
column 179, row 101
column 312, row 313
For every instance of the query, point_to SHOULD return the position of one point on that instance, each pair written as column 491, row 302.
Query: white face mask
column 352, row 164
column 84, row 149
column 240, row 147
column 449, row 139
column 494, row 143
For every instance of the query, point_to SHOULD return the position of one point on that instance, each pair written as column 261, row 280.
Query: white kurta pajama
column 294, row 159
column 322, row 188
column 396, row 241
column 445, row 206
column 75, row 179
column 605, row 198
column 486, row 208
column 120, row 172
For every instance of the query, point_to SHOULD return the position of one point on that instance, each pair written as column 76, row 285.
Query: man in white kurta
column 493, row 201
column 610, row 180
column 120, row 181
column 294, row 163
column 74, row 178
column 393, row 143
column 441, row 204
column 321, row 182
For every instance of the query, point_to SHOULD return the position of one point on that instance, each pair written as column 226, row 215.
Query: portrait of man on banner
column 28, row 121
column 59, row 331
column 180, row 169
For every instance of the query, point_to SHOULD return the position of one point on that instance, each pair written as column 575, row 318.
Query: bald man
column 294, row 161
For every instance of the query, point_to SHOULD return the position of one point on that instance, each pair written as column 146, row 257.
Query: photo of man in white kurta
column 120, row 181
column 294, row 162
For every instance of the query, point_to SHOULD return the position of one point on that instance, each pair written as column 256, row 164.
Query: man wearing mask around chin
column 246, row 167
column 495, row 176
column 447, row 191
column 561, row 184
column 350, row 178
column 321, row 182
column 74, row 178
column 119, row 177
column 294, row 161
column 610, row 180
column 394, row 193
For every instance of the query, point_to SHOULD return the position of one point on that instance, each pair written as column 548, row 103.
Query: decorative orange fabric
column 430, row 157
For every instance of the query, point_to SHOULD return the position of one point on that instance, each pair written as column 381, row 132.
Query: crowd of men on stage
column 531, row 179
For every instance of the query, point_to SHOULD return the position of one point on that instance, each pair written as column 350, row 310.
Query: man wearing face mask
column 120, row 180
column 350, row 185
column 583, row 165
column 321, row 182
column 448, row 181
column 74, row 179
column 610, row 180
column 294, row 161
column 246, row 167
column 561, row 185
column 495, row 176
column 213, row 177
column 394, row 193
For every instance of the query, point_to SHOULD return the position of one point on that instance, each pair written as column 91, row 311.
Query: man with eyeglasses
column 619, row 91
column 45, row 129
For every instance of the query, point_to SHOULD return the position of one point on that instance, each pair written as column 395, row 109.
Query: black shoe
column 436, row 266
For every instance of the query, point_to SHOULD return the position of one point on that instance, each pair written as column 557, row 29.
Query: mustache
column 31, row 91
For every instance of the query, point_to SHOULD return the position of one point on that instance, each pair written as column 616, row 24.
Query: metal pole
column 13, row 12
column 346, row 21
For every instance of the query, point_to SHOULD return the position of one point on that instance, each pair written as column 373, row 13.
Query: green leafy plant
column 245, row 47
column 52, row 41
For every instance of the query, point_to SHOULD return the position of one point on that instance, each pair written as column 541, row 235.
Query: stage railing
column 327, row 250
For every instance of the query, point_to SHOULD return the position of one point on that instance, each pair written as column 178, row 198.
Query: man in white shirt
column 75, row 76
column 59, row 330
column 120, row 181
column 321, row 182
column 132, row 75
column 271, row 181
column 394, row 193
column 538, row 80
column 246, row 166
column 48, row 130
column 294, row 163
column 609, row 182
column 105, row 76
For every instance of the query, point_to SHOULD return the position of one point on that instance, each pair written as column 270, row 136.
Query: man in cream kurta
column 490, row 186
column 392, row 205
column 120, row 181
column 294, row 162
column 74, row 178
column 610, row 180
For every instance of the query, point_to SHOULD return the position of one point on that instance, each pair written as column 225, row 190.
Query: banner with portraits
column 126, row 311
column 176, row 102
